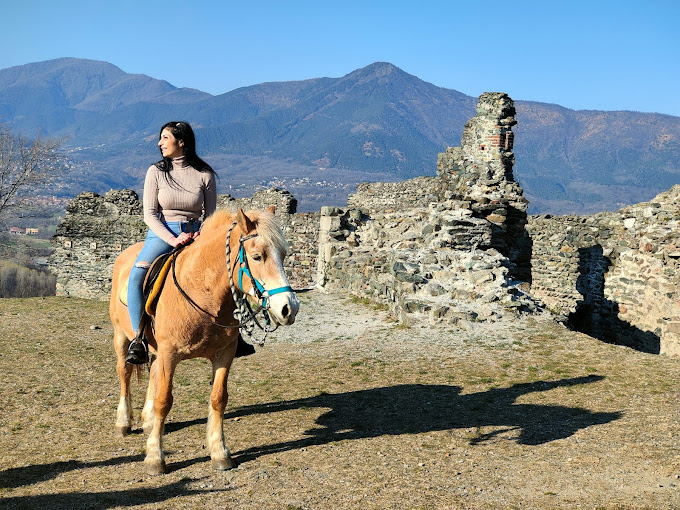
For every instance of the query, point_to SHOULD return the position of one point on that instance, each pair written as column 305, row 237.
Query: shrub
column 21, row 281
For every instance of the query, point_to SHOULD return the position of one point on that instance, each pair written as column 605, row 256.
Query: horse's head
column 260, row 272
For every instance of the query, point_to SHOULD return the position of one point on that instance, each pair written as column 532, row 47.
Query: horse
column 235, row 256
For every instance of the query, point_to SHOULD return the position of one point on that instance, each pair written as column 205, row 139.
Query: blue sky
column 603, row 55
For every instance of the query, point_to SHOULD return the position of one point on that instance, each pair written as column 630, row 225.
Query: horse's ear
column 271, row 209
column 244, row 223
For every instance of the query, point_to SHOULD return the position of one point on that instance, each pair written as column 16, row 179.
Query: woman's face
column 170, row 146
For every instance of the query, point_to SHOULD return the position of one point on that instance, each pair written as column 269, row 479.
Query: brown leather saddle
column 153, row 283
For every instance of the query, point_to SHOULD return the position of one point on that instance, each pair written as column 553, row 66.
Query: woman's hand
column 181, row 239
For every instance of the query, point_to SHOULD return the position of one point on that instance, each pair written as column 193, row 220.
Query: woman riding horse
column 176, row 189
column 236, row 257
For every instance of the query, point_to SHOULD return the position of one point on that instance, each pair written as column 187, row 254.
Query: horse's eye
column 257, row 257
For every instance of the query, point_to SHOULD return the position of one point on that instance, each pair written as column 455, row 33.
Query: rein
column 244, row 314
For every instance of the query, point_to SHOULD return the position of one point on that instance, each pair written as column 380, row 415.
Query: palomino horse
column 198, row 320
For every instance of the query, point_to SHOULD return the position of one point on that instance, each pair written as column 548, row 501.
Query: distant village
column 23, row 231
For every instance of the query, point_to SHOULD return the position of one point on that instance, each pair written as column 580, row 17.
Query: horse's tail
column 138, row 368
column 138, row 373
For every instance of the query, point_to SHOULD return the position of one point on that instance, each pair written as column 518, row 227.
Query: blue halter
column 243, row 269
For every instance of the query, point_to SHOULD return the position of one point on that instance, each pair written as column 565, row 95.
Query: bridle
column 243, row 313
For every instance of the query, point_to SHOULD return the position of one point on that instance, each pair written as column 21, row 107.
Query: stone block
column 496, row 218
column 434, row 289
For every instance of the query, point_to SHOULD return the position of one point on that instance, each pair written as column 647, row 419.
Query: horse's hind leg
column 219, row 453
column 124, row 412
column 162, row 403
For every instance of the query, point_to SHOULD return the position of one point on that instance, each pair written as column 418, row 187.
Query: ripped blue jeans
column 153, row 248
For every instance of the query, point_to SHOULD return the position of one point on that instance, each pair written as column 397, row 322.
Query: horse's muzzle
column 284, row 307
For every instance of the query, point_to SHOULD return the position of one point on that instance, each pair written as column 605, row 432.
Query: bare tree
column 25, row 165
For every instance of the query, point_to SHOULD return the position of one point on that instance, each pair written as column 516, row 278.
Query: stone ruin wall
column 433, row 263
column 458, row 248
column 444, row 249
column 614, row 275
column 97, row 228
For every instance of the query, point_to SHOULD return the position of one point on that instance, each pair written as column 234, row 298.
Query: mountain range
column 318, row 138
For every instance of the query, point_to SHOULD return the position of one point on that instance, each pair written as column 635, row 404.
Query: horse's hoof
column 155, row 468
column 223, row 464
column 122, row 431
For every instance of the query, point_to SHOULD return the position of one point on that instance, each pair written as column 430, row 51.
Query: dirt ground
column 345, row 409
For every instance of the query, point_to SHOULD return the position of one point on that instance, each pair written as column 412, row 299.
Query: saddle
column 153, row 283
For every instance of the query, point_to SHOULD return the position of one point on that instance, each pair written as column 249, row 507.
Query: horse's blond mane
column 267, row 226
column 219, row 217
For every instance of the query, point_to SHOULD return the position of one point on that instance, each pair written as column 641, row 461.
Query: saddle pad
column 122, row 295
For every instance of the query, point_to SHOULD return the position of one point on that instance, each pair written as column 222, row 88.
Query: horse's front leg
column 124, row 413
column 162, row 403
column 219, row 453
column 147, row 411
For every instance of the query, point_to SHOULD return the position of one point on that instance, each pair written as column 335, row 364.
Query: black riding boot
column 243, row 348
column 138, row 352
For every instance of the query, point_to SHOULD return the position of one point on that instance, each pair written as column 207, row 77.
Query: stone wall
column 457, row 248
column 381, row 196
column 480, row 172
column 614, row 276
column 555, row 260
column 97, row 228
column 460, row 247
column 444, row 249
column 435, row 263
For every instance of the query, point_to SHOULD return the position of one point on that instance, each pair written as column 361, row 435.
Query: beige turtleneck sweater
column 181, row 200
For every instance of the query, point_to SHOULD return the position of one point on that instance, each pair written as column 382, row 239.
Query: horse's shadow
column 417, row 408
column 17, row 477
column 27, row 475
column 391, row 410
column 155, row 496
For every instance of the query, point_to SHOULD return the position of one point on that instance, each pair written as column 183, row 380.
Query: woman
column 176, row 190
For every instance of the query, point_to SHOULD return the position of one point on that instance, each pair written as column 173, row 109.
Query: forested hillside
column 320, row 137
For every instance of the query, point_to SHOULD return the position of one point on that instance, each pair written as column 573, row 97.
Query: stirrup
column 138, row 352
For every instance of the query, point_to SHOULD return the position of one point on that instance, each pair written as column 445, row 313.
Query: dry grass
column 345, row 410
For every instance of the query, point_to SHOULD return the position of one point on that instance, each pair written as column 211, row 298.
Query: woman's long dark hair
column 182, row 132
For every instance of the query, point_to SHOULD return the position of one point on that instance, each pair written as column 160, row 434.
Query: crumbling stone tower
column 449, row 248
column 480, row 171
column 485, row 150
